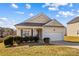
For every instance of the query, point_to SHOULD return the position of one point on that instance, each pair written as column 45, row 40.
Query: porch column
column 31, row 32
column 21, row 33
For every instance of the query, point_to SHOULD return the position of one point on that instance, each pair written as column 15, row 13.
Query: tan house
column 73, row 27
column 41, row 26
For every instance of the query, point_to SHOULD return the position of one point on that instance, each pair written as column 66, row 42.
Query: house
column 73, row 27
column 6, row 32
column 41, row 26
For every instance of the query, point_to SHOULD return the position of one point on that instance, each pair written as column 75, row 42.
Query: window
column 25, row 33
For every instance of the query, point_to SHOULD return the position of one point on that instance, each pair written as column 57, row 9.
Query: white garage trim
column 54, row 36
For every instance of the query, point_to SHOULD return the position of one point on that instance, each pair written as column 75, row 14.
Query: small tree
column 8, row 42
column 18, row 39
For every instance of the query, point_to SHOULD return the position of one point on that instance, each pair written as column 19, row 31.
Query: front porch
column 33, row 32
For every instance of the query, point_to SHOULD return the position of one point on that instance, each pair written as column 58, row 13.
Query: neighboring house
column 41, row 26
column 1, row 32
column 6, row 32
column 73, row 27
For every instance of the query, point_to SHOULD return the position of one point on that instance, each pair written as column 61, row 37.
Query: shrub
column 36, row 39
column 46, row 40
column 31, row 39
column 8, row 41
column 26, row 39
column 18, row 39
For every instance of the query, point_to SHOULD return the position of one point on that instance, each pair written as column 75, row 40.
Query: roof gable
column 40, row 18
column 53, row 23
column 76, row 19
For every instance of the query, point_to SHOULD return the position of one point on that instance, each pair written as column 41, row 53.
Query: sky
column 14, row 13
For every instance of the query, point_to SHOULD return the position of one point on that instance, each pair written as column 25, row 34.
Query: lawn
column 71, row 38
column 42, row 50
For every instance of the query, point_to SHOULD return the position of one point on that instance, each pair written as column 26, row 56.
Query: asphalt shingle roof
column 30, row 24
column 76, row 19
column 40, row 17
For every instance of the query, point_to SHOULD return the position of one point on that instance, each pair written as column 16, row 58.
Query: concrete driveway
column 65, row 43
column 68, row 44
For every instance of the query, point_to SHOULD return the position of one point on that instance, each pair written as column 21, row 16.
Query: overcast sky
column 11, row 13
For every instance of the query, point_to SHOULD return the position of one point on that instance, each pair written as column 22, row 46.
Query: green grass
column 43, row 50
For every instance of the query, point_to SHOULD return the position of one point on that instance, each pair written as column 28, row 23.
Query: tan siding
column 54, row 30
column 18, row 32
column 53, row 23
column 72, row 29
column 47, row 29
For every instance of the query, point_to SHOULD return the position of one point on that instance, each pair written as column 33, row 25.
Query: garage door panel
column 55, row 36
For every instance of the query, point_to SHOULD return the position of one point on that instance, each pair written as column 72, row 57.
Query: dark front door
column 39, row 33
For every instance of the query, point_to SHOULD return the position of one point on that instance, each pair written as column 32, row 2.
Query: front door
column 39, row 33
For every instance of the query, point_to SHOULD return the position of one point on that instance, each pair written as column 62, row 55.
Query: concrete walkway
column 74, row 47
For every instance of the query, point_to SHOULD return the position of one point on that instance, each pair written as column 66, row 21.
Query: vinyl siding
column 54, row 33
column 72, row 29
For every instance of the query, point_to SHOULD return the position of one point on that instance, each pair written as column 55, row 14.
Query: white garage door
column 55, row 36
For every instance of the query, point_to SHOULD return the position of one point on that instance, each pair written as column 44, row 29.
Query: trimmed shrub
column 8, row 42
column 26, row 39
column 18, row 39
column 46, row 40
column 36, row 39
column 31, row 39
